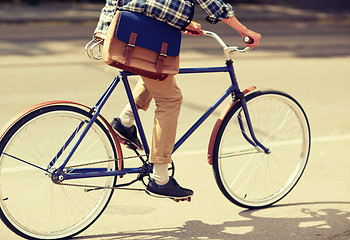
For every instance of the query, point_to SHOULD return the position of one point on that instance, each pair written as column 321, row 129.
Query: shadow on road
column 315, row 220
column 300, row 39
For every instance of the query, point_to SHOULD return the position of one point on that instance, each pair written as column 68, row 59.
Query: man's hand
column 243, row 31
column 194, row 29
column 254, row 36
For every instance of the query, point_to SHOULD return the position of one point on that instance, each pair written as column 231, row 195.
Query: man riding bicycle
column 166, row 93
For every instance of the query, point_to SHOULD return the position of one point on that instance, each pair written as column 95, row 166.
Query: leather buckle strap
column 161, row 58
column 129, row 48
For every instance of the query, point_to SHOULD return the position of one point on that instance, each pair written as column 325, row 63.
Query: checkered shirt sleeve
column 174, row 12
column 216, row 10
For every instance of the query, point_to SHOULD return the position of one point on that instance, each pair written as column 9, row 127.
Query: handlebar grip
column 248, row 40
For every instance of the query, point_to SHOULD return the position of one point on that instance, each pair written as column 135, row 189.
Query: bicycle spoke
column 26, row 162
column 241, row 153
column 248, row 176
column 35, row 205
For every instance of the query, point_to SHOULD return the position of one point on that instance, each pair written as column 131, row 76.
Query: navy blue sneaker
column 128, row 134
column 170, row 190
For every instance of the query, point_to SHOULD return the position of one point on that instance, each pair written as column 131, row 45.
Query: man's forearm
column 235, row 24
column 243, row 31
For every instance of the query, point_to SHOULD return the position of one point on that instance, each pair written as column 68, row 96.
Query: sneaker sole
column 171, row 197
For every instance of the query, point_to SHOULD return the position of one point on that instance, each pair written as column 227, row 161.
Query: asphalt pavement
column 306, row 55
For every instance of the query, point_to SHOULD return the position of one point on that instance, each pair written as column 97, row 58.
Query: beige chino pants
column 168, row 99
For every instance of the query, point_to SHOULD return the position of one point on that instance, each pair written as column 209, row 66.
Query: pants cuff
column 161, row 160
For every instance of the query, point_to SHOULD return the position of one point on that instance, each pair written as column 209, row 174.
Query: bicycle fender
column 25, row 112
column 219, row 122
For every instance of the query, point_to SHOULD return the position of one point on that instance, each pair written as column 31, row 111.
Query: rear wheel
column 245, row 174
column 31, row 204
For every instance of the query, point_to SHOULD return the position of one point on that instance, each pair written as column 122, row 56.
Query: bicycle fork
column 254, row 141
column 240, row 96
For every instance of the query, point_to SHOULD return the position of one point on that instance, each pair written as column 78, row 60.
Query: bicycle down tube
column 233, row 89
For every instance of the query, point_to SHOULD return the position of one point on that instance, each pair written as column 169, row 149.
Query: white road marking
column 322, row 139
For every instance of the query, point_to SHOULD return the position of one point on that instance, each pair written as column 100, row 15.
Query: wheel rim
column 36, row 206
column 251, row 177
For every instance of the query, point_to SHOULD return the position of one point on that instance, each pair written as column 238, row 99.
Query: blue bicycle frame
column 93, row 172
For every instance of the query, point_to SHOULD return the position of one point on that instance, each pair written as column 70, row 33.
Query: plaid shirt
column 177, row 13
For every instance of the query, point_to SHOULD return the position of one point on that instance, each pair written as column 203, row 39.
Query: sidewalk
column 64, row 12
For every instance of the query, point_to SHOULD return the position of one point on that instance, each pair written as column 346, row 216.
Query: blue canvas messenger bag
column 142, row 45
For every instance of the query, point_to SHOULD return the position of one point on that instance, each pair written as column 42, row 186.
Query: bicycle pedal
column 130, row 146
column 122, row 141
column 188, row 199
column 127, row 143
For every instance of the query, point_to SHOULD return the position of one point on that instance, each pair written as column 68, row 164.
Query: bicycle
column 60, row 160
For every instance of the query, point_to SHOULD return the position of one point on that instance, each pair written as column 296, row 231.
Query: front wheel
column 247, row 175
column 31, row 204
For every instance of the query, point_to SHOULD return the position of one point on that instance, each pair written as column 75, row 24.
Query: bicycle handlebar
column 228, row 51
column 94, row 48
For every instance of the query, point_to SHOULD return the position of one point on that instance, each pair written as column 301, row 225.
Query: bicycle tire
column 31, row 204
column 245, row 174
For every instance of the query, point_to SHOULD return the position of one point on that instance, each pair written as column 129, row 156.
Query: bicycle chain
column 105, row 161
column 100, row 187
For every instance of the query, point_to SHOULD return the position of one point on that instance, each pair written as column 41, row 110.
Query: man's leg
column 124, row 125
column 142, row 99
column 168, row 99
